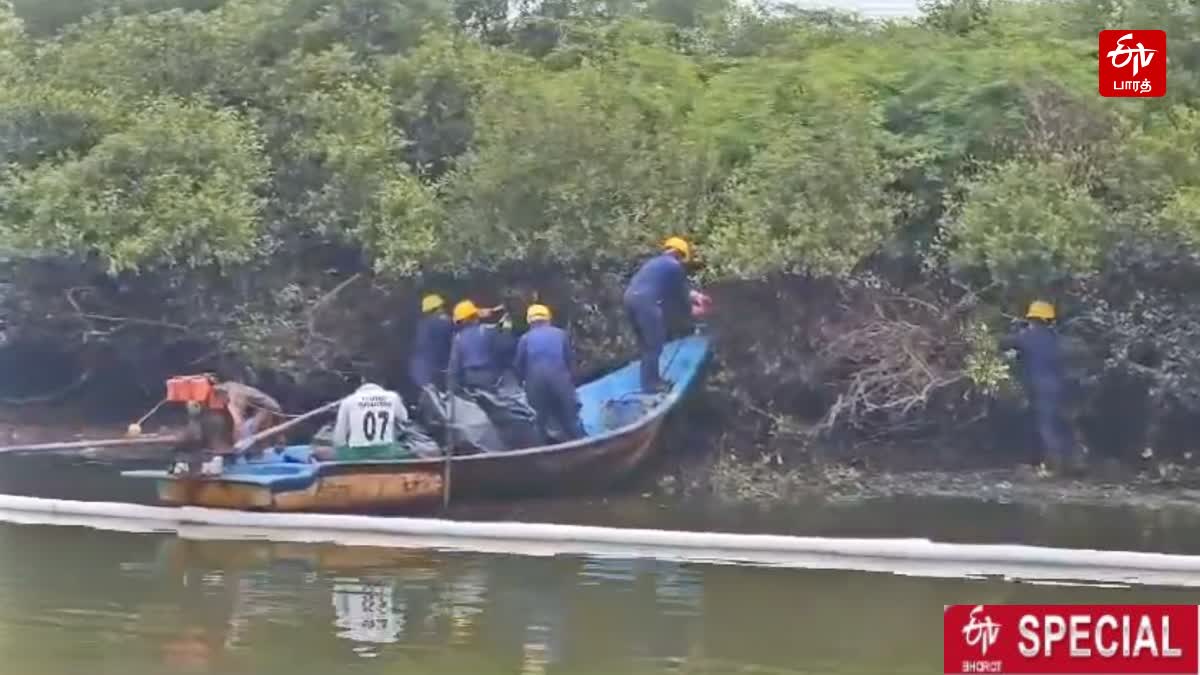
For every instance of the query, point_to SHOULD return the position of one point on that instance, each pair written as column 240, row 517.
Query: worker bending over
column 543, row 365
column 1042, row 375
column 368, row 422
column 251, row 409
column 659, row 285
column 223, row 424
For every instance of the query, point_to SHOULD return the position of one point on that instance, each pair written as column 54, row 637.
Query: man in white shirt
column 367, row 425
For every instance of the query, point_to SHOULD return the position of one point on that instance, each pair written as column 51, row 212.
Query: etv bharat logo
column 1133, row 63
column 983, row 633
column 1138, row 57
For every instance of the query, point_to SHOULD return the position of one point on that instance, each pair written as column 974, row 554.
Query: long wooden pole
column 161, row 439
column 105, row 443
column 449, row 449
column 289, row 424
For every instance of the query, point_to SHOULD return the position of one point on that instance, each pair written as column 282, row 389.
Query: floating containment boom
column 913, row 557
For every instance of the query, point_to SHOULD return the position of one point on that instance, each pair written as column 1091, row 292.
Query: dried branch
column 88, row 316
column 896, row 367
column 316, row 306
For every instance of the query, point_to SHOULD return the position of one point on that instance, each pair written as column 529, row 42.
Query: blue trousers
column 480, row 378
column 1046, row 400
column 422, row 372
column 552, row 396
column 650, row 327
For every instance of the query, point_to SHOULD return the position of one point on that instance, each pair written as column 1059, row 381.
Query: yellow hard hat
column 537, row 313
column 464, row 311
column 678, row 244
column 1040, row 309
column 432, row 303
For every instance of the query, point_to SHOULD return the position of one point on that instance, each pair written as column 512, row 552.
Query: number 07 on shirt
column 368, row 417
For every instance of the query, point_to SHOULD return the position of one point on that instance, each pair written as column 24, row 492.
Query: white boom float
column 911, row 557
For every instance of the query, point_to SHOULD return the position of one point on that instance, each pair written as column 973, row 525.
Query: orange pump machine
column 195, row 389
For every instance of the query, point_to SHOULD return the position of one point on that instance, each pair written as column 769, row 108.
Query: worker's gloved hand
column 489, row 312
column 701, row 304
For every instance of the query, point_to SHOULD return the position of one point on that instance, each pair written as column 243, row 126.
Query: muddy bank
column 45, row 423
column 726, row 482
column 766, row 484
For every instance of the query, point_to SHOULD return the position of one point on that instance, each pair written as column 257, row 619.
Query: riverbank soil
column 767, row 481
column 44, row 423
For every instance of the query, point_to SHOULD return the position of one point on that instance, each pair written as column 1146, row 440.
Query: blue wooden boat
column 615, row 445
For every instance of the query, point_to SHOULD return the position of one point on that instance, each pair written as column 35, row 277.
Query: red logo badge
column 1133, row 63
column 1076, row 639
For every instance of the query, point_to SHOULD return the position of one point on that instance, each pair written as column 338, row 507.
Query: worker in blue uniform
column 473, row 351
column 1043, row 377
column 543, row 365
column 504, row 342
column 431, row 348
column 660, row 285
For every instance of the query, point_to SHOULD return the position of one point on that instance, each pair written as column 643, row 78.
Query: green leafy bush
column 177, row 186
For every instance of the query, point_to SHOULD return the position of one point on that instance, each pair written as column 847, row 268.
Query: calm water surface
column 74, row 600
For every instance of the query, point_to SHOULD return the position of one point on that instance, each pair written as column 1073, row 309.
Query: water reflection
column 365, row 611
column 193, row 650
column 463, row 599
column 74, row 600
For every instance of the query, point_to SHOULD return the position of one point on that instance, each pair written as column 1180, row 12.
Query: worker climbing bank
column 1043, row 376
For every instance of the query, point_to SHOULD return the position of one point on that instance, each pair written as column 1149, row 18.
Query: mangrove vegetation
column 265, row 187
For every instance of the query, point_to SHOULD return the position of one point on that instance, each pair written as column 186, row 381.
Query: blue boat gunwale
column 301, row 475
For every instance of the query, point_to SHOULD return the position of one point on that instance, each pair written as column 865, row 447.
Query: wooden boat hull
column 398, row 489
column 404, row 486
column 388, row 487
